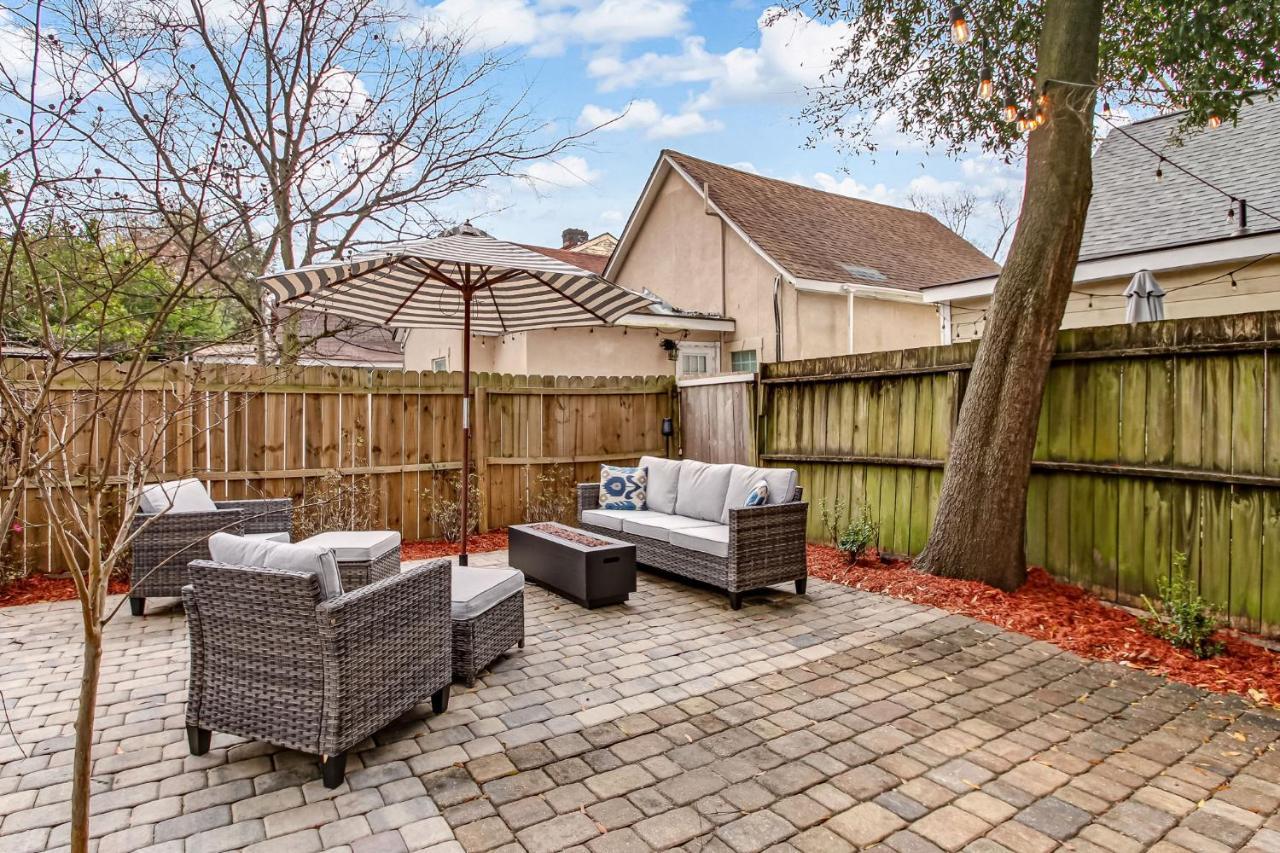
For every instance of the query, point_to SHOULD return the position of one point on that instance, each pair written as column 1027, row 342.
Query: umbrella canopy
column 1143, row 299
column 467, row 281
column 424, row 284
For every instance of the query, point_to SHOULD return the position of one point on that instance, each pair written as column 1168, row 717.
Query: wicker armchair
column 171, row 540
column 272, row 661
column 766, row 547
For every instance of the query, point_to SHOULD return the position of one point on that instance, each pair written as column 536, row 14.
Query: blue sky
column 707, row 78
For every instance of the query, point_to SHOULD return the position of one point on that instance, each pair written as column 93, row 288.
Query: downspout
column 777, row 317
column 848, row 296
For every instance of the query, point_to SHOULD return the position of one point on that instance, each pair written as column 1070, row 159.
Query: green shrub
column 860, row 534
column 1182, row 617
column 831, row 519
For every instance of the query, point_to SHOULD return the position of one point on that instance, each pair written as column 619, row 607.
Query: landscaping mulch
column 478, row 543
column 1067, row 616
column 38, row 589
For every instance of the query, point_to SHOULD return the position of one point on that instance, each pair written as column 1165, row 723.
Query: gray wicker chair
column 171, row 540
column 272, row 661
column 766, row 546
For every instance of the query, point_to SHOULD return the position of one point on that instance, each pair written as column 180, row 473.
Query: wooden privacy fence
column 717, row 418
column 1153, row 439
column 261, row 432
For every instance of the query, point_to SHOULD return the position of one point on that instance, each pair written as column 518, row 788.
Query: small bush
column 336, row 502
column 446, row 506
column 554, row 496
column 831, row 519
column 1182, row 617
column 859, row 535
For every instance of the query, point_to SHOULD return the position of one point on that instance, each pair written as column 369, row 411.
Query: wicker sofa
column 272, row 660
column 167, row 538
column 711, row 536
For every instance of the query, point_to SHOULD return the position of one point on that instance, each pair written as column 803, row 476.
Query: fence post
column 480, row 447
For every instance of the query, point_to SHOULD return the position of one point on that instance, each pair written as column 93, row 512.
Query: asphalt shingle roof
column 1133, row 212
column 828, row 237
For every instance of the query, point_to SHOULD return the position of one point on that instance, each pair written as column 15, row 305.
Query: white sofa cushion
column 176, row 496
column 660, row 527
column 742, row 479
column 702, row 490
column 474, row 591
column 300, row 557
column 356, row 546
column 611, row 519
column 712, row 539
column 664, row 478
column 268, row 537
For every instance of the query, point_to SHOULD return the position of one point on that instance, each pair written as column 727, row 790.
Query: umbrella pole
column 466, row 421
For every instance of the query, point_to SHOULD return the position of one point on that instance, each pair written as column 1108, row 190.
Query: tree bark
column 86, row 712
column 979, row 530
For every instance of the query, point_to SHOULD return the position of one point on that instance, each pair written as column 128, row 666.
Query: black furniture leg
column 198, row 740
column 137, row 605
column 801, row 586
column 440, row 699
column 735, row 600
column 520, row 643
column 333, row 769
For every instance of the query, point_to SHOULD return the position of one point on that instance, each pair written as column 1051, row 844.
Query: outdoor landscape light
column 668, row 427
column 985, row 87
column 960, row 33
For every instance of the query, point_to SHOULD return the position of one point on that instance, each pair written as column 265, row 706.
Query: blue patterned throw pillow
column 759, row 494
column 622, row 488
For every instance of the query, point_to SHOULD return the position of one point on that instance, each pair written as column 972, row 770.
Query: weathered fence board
column 1152, row 440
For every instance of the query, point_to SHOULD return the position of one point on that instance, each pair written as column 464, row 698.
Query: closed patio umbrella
column 467, row 281
column 1143, row 299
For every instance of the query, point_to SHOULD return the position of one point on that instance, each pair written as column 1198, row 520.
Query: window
column 440, row 364
column 697, row 358
column 743, row 361
column 691, row 363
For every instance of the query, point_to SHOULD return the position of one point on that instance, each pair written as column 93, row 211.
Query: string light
column 1215, row 121
column 1106, row 109
column 986, row 88
column 1010, row 109
column 960, row 32
column 1159, row 170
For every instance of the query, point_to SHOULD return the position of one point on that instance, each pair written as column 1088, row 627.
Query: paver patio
column 826, row 723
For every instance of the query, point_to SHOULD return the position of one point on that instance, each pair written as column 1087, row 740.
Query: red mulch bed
column 478, row 543
column 38, row 589
column 1066, row 616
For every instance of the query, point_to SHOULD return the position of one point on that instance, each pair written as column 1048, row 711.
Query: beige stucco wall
column 1202, row 291
column 882, row 324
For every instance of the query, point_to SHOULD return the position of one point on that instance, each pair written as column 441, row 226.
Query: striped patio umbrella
column 467, row 281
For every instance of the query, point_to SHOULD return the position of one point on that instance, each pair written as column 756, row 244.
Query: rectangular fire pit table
column 586, row 568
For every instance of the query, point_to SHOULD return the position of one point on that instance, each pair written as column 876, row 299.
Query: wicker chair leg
column 520, row 643
column 801, row 586
column 333, row 769
column 735, row 600
column 137, row 605
column 440, row 699
column 198, row 740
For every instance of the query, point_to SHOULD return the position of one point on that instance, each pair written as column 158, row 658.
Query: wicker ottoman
column 363, row 556
column 487, row 609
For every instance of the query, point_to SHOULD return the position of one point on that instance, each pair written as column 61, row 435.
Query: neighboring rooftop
column 589, row 261
column 826, row 237
column 1133, row 212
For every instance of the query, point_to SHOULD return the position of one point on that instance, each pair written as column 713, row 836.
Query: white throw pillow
column 781, row 481
column 664, row 478
column 702, row 490
column 295, row 557
column 176, row 496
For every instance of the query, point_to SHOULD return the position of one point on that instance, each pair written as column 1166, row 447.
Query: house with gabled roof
column 747, row 269
column 1200, row 211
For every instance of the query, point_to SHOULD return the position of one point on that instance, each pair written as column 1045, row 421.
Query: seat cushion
column 712, row 539
column 743, row 479
column 356, row 546
column 176, row 496
column 702, row 489
column 622, row 488
column 664, row 478
column 611, row 519
column 661, row 526
column 476, row 590
column 259, row 553
column 282, row 536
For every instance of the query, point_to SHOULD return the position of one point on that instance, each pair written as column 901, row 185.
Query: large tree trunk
column 978, row 532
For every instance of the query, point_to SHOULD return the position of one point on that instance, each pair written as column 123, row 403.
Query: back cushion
column 702, row 489
column 781, row 481
column 176, row 496
column 664, row 479
column 622, row 488
column 299, row 557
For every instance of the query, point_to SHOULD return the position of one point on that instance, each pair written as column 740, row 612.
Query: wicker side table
column 364, row 556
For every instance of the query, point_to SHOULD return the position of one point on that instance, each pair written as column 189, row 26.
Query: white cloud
column 647, row 116
column 568, row 172
column 545, row 27
column 847, row 185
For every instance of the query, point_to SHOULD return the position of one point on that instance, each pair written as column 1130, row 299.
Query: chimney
column 571, row 237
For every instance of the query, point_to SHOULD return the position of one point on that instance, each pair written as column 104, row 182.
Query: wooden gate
column 718, row 418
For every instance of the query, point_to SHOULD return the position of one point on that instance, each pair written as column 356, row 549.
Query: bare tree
column 348, row 123
column 985, row 220
column 952, row 209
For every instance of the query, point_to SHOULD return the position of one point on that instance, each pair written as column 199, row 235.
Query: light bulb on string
column 1010, row 109
column 1159, row 170
column 960, row 32
column 1106, row 109
column 1215, row 121
column 986, row 87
